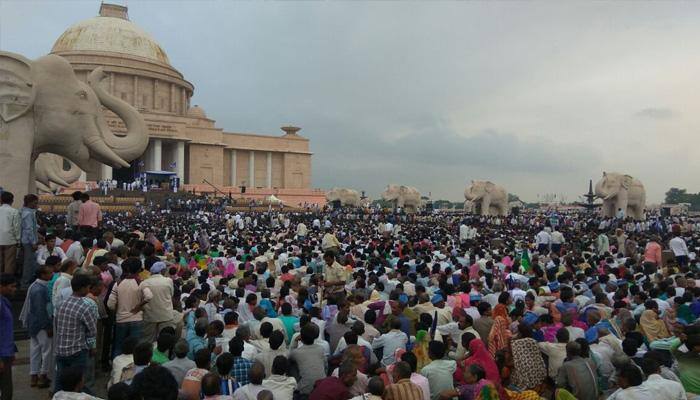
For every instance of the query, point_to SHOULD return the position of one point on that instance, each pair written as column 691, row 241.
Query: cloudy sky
column 536, row 96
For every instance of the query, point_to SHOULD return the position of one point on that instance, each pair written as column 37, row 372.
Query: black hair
column 211, row 384
column 70, row 378
column 411, row 359
column 155, row 383
column 632, row 374
column 436, row 350
column 202, row 358
column 478, row 371
column 224, row 363
column 276, row 339
column 80, row 282
column 143, row 352
column 280, row 365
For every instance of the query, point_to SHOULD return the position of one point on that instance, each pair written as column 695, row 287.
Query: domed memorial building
column 182, row 138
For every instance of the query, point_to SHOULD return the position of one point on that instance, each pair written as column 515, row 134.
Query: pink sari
column 478, row 354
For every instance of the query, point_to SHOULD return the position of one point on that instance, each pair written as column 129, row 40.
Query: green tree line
column 677, row 196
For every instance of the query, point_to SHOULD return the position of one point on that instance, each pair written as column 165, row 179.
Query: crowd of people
column 351, row 304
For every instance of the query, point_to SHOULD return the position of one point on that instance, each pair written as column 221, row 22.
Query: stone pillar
column 183, row 99
column 156, row 157
column 251, row 169
column 106, row 172
column 172, row 97
column 180, row 162
column 111, row 84
column 136, row 91
column 155, row 91
column 233, row 167
column 269, row 170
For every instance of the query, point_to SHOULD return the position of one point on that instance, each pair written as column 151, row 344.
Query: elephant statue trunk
column 50, row 170
column 135, row 141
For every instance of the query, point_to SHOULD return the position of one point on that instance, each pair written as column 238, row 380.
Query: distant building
column 182, row 138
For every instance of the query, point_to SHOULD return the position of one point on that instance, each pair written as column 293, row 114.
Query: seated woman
column 477, row 387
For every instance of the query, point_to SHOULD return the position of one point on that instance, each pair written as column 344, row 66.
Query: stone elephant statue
column 624, row 192
column 53, row 172
column 487, row 198
column 344, row 197
column 44, row 107
column 406, row 197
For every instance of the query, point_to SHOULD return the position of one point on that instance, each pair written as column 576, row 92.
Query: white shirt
column 43, row 253
column 664, row 389
column 390, row 341
column 543, row 238
column 557, row 237
column 677, row 244
column 342, row 345
column 575, row 333
column 301, row 229
column 632, row 393
column 463, row 232
column 75, row 252
column 9, row 225
column 281, row 386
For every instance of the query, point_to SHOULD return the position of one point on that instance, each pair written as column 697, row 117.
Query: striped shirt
column 403, row 390
column 76, row 326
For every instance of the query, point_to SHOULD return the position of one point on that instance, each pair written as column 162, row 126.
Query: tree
column 675, row 196
column 513, row 197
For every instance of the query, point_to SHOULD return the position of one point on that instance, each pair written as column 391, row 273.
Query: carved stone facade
column 182, row 138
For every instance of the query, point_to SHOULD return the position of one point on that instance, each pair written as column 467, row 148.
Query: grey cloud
column 655, row 113
column 432, row 93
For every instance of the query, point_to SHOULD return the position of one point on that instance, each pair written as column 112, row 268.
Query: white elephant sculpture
column 406, row 197
column 623, row 192
column 44, row 107
column 346, row 197
column 488, row 198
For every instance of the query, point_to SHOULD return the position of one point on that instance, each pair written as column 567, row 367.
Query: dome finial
column 114, row 11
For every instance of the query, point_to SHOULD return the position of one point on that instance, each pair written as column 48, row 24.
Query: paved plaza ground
column 20, row 378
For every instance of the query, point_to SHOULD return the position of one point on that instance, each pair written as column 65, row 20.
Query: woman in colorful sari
column 477, row 386
column 500, row 334
column 652, row 327
column 529, row 371
column 479, row 355
column 420, row 349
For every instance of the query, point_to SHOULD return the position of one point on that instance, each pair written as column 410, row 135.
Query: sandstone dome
column 110, row 32
column 196, row 112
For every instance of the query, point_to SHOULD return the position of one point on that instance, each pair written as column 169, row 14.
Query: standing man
column 335, row 276
column 29, row 238
column 602, row 243
column 76, row 328
column 557, row 241
column 9, row 233
column 158, row 295
column 8, row 287
column 72, row 211
column 678, row 246
column 543, row 240
column 36, row 318
column 89, row 216
column 330, row 242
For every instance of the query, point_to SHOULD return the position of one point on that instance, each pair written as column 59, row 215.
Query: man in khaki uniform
column 335, row 276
